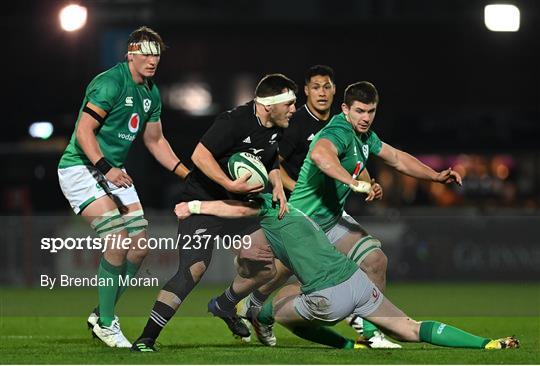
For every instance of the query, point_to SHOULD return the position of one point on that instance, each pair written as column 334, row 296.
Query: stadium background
column 452, row 93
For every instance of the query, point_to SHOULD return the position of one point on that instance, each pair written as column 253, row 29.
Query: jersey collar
column 255, row 114
column 312, row 115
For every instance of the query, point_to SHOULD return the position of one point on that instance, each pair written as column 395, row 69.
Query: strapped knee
column 110, row 222
column 181, row 284
column 135, row 222
column 183, row 281
column 365, row 246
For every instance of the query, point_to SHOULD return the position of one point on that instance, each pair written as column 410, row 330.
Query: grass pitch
column 41, row 326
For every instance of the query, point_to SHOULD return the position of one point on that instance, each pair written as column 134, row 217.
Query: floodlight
column 501, row 18
column 73, row 17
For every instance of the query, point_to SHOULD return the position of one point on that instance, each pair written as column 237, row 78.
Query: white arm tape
column 194, row 207
column 360, row 186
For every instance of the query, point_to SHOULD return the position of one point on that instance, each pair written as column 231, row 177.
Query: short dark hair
column 363, row 91
column 321, row 70
column 274, row 84
column 145, row 33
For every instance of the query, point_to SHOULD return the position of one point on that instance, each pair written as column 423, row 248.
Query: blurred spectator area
column 451, row 92
column 489, row 180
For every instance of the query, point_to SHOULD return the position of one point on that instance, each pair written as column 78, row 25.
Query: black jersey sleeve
column 288, row 142
column 221, row 136
column 275, row 164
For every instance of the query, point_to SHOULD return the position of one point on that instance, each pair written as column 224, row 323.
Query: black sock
column 228, row 299
column 159, row 316
column 257, row 299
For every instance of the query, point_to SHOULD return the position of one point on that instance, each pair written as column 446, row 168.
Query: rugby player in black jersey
column 255, row 127
column 320, row 89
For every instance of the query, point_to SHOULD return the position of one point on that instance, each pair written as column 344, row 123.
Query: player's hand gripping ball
column 243, row 163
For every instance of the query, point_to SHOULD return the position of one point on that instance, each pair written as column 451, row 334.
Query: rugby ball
column 242, row 163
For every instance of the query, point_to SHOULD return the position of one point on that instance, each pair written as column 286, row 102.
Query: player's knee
column 281, row 277
column 138, row 251
column 288, row 291
column 109, row 223
column 260, row 272
column 265, row 272
column 185, row 279
column 135, row 223
column 375, row 263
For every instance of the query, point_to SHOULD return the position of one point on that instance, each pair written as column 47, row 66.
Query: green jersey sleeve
column 103, row 92
column 156, row 111
column 339, row 134
column 374, row 143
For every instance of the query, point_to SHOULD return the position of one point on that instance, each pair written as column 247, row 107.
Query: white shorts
column 357, row 295
column 83, row 184
column 347, row 224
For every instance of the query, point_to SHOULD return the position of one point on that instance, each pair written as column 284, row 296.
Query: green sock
column 108, row 274
column 323, row 335
column 266, row 315
column 441, row 334
column 368, row 329
column 130, row 269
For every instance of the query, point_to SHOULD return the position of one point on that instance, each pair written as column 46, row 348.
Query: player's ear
column 306, row 90
column 345, row 108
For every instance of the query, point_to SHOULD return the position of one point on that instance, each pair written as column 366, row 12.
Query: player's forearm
column 88, row 142
column 161, row 150
column 329, row 164
column 409, row 165
column 205, row 161
column 274, row 176
column 228, row 208
column 287, row 181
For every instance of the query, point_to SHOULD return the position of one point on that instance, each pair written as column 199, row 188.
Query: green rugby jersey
column 304, row 248
column 321, row 197
column 128, row 105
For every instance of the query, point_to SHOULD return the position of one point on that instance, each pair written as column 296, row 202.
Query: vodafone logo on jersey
column 133, row 123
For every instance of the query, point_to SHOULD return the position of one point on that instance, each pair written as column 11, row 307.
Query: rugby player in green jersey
column 336, row 160
column 118, row 104
column 337, row 156
column 328, row 293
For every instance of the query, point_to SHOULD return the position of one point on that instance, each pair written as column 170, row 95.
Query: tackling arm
column 325, row 157
column 228, row 208
column 160, row 148
column 274, row 177
column 411, row 166
column 278, row 194
column 287, row 181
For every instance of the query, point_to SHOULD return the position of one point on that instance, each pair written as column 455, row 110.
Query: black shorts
column 200, row 232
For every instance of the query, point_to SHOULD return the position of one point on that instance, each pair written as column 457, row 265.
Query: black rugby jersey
column 294, row 145
column 237, row 130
